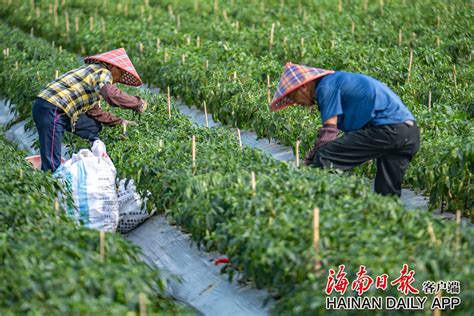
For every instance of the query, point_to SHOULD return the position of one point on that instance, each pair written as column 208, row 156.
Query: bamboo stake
column 50, row 8
column 285, row 40
column 60, row 48
column 188, row 40
column 169, row 103
column 170, row 10
column 298, row 153
column 194, row 152
column 56, row 74
column 272, row 31
column 38, row 12
column 16, row 65
column 237, row 24
column 302, row 46
column 339, row 6
column 316, row 237
column 438, row 42
column 126, row 10
column 124, row 129
column 6, row 52
column 142, row 11
column 141, row 47
column 76, row 24
column 32, row 30
column 224, row 14
column 410, row 64
column 198, row 42
column 400, row 37
column 253, row 183
column 91, row 23
column 216, row 6
column 381, row 6
column 458, row 227
column 196, row 5
column 432, row 234
column 178, row 22
column 240, row 138
column 206, row 64
column 235, row 75
column 205, row 113
column 55, row 12
column 353, row 27
column 454, row 76
column 102, row 21
column 158, row 43
column 429, row 101
column 66, row 19
column 142, row 303
column 21, row 173
column 32, row 4
column 366, row 5
column 102, row 245
column 269, row 98
column 183, row 59
column 165, row 55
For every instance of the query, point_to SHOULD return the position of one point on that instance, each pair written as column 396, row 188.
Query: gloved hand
column 143, row 107
column 326, row 134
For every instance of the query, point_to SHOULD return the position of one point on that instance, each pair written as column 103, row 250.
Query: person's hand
column 143, row 107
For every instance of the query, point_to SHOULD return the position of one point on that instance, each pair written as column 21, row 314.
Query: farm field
column 229, row 55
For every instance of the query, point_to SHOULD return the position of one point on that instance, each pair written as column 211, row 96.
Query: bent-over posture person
column 376, row 123
column 72, row 102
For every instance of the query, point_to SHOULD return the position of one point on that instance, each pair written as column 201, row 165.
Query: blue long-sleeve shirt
column 358, row 100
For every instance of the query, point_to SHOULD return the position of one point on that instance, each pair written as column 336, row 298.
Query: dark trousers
column 51, row 123
column 393, row 146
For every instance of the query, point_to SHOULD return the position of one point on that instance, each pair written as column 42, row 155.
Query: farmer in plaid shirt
column 376, row 123
column 72, row 102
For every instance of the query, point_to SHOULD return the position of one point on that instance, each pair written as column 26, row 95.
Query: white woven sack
column 90, row 177
column 132, row 208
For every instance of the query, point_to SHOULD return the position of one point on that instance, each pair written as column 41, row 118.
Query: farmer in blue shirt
column 376, row 123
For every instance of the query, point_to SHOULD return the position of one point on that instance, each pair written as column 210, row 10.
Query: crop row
column 266, row 229
column 52, row 266
column 232, row 79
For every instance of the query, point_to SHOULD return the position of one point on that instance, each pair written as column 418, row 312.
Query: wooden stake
column 183, row 59
column 91, row 23
column 458, row 229
column 272, row 31
column 32, row 30
column 366, row 5
column 454, row 76
column 66, row 21
column 353, row 27
column 198, row 42
column 142, row 11
column 188, row 40
column 158, row 43
column 205, row 113
column 194, row 152
column 316, row 237
column 240, row 139
column 431, row 233
column 170, row 10
column 409, row 65
column 38, row 12
column 55, row 12
column 16, row 65
column 302, row 46
column 224, row 14
column 169, row 103
column 298, row 153
column 339, row 7
column 400, row 37
column 381, row 6
column 253, row 183
column 102, row 245
column 56, row 74
column 76, row 24
column 102, row 21
column 142, row 303
column 206, row 64
column 438, row 42
column 269, row 97
column 216, row 6
column 429, row 101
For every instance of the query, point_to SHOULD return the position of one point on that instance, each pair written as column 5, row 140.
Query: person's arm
column 327, row 133
column 103, row 117
column 117, row 97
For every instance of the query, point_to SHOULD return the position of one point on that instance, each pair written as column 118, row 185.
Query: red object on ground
column 221, row 260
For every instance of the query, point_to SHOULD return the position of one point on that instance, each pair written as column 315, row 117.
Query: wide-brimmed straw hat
column 293, row 77
column 119, row 58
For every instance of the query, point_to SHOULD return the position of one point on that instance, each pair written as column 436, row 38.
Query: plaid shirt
column 78, row 90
